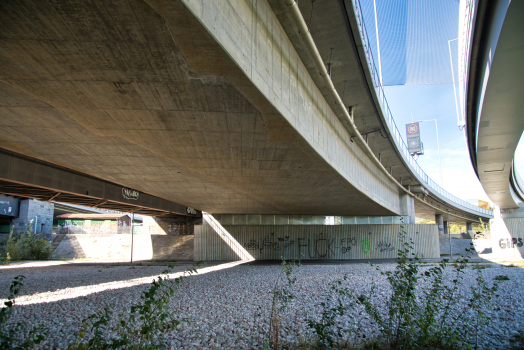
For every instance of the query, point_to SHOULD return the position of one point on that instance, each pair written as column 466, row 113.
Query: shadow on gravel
column 89, row 278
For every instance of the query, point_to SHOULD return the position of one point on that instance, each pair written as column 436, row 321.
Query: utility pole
column 459, row 122
column 132, row 219
column 449, row 238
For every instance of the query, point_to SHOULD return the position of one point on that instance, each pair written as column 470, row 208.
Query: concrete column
column 439, row 220
column 446, row 227
column 469, row 229
column 407, row 207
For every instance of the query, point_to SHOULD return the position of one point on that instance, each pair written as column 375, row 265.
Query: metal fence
column 397, row 136
column 96, row 229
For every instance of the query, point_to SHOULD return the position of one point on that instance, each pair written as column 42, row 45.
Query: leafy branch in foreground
column 11, row 335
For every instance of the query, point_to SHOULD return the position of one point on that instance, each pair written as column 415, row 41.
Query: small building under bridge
column 98, row 223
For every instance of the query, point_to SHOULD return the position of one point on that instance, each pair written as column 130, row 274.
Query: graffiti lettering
column 311, row 256
column 252, row 245
column 346, row 244
column 505, row 243
column 300, row 246
column 366, row 245
column 286, row 242
column 191, row 211
column 129, row 193
column 268, row 243
column 5, row 207
column 330, row 246
column 384, row 247
column 322, row 241
column 322, row 246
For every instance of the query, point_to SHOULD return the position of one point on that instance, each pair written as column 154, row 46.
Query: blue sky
column 437, row 102
column 417, row 73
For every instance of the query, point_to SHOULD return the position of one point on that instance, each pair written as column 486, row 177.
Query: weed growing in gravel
column 514, row 264
column 424, row 310
column 517, row 341
column 502, row 278
column 11, row 336
column 439, row 316
column 143, row 327
column 336, row 303
column 281, row 297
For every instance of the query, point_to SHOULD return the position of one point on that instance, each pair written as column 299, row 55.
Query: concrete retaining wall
column 508, row 237
column 118, row 247
column 312, row 242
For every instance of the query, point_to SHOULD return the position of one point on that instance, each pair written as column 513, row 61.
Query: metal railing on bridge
column 397, row 137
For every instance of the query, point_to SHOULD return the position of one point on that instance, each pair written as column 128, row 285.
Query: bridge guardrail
column 397, row 137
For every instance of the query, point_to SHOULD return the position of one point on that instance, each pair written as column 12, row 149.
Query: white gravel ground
column 224, row 302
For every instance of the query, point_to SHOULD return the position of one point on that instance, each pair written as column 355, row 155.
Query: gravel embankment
column 224, row 304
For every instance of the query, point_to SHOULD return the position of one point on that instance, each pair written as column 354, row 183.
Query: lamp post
column 449, row 238
column 459, row 122
column 438, row 147
column 132, row 236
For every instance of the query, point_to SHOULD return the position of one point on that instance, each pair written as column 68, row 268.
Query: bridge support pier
column 469, row 229
column 439, row 220
column 407, row 208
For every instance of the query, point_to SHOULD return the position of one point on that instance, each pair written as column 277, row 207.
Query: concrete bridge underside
column 142, row 95
column 212, row 104
column 495, row 104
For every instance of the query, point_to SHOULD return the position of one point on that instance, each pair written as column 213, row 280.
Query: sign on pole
column 413, row 138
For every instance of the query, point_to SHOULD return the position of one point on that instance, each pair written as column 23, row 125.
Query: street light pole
column 438, row 148
column 132, row 234
column 459, row 122
column 449, row 238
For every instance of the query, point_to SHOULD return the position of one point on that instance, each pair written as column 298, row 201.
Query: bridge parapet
column 394, row 132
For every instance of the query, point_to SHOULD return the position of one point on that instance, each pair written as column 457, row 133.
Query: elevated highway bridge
column 229, row 107
column 491, row 71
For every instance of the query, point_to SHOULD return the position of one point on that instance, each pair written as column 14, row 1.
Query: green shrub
column 27, row 246
column 430, row 319
column 421, row 312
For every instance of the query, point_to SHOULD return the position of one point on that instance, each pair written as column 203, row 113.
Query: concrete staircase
column 56, row 242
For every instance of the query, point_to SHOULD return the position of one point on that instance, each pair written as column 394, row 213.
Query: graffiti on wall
column 366, row 245
column 383, row 246
column 505, row 243
column 5, row 207
column 318, row 247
